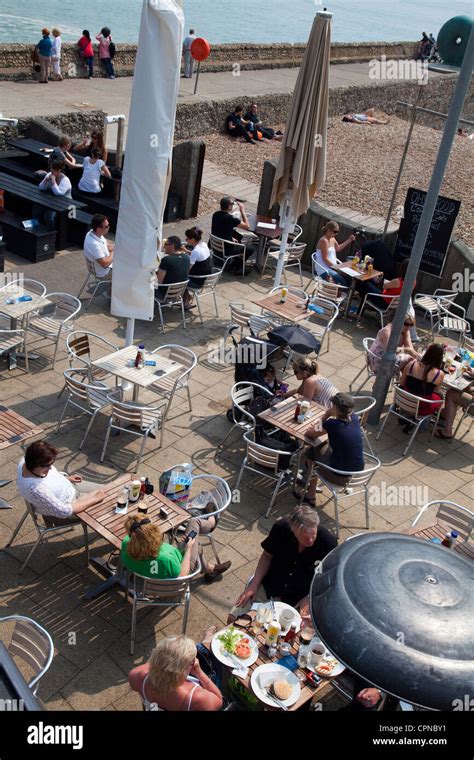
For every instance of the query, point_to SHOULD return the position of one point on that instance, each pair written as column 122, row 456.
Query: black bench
column 78, row 226
column 2, row 249
column 15, row 169
column 35, row 148
column 20, row 197
column 35, row 243
column 99, row 205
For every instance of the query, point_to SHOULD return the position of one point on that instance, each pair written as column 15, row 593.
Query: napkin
column 241, row 672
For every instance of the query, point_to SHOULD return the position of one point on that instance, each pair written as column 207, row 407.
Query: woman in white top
column 312, row 386
column 94, row 168
column 52, row 494
column 326, row 252
column 56, row 55
column 200, row 262
column 172, row 679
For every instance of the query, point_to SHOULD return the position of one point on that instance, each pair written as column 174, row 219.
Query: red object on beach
column 200, row 49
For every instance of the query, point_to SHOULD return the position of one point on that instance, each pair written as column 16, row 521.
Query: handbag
column 112, row 50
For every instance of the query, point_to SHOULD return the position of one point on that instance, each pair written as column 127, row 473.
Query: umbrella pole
column 130, row 329
column 287, row 224
column 385, row 371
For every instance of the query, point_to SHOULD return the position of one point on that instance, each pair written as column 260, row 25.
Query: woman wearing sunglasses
column 405, row 350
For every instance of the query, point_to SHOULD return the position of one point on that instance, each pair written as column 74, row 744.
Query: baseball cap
column 344, row 402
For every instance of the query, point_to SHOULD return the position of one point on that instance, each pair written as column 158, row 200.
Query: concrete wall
column 15, row 61
column 73, row 124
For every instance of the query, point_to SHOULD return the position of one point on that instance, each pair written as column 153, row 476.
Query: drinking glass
column 286, row 619
column 303, row 657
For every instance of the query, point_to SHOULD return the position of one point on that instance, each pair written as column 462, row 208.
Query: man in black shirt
column 174, row 266
column 254, row 125
column 236, row 126
column 224, row 226
column 286, row 567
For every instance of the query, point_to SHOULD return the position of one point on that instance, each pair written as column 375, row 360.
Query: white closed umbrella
column 147, row 167
column 301, row 168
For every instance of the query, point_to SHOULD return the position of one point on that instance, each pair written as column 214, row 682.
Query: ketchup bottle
column 297, row 410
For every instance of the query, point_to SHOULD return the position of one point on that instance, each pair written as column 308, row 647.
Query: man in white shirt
column 188, row 59
column 98, row 249
column 57, row 183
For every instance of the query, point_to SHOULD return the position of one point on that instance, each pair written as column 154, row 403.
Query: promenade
column 23, row 99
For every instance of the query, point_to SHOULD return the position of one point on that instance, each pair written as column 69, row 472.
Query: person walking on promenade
column 44, row 46
column 105, row 56
column 188, row 59
column 87, row 51
column 56, row 55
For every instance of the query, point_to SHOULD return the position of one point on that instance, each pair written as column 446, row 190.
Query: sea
column 235, row 20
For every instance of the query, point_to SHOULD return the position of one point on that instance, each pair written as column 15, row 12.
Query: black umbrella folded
column 399, row 611
column 297, row 338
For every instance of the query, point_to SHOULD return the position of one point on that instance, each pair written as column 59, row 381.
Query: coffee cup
column 317, row 652
column 286, row 619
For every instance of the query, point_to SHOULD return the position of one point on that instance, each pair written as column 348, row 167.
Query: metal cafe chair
column 170, row 384
column 241, row 394
column 45, row 529
column 147, row 421
column 89, row 398
column 53, row 324
column 325, row 316
column 429, row 304
column 148, row 592
column 172, row 296
column 267, row 462
column 10, row 340
column 219, row 248
column 213, row 489
column 455, row 516
column 363, row 405
column 357, row 482
column 406, row 406
column 385, row 312
column 94, row 280
column 292, row 258
column 32, row 644
column 205, row 285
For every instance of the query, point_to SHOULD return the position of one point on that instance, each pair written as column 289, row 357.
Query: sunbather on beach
column 366, row 117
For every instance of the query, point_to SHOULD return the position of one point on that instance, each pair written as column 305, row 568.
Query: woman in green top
column 144, row 551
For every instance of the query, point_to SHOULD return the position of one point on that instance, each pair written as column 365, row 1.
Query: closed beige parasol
column 301, row 168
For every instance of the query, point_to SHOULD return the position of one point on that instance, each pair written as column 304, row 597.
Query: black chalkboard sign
column 439, row 234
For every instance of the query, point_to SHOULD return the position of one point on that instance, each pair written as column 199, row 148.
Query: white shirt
column 52, row 495
column 90, row 180
column 56, row 49
column 200, row 252
column 331, row 256
column 95, row 248
column 63, row 187
column 188, row 41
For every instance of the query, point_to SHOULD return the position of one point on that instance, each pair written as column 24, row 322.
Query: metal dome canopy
column 399, row 612
column 452, row 39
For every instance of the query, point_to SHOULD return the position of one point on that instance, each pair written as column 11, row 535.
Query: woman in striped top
column 313, row 386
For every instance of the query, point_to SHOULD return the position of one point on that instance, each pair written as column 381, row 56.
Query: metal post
column 119, row 147
column 402, row 163
column 385, row 371
column 197, row 76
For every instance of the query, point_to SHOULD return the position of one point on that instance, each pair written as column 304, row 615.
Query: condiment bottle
column 284, row 293
column 297, row 411
column 446, row 540
column 140, row 358
column 273, row 632
column 142, row 488
column 453, row 537
column 291, row 635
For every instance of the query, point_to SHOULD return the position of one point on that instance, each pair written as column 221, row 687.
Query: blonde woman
column 172, row 678
column 326, row 252
column 144, row 551
column 56, row 55
column 312, row 386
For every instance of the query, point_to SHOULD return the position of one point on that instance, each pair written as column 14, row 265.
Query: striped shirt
column 326, row 390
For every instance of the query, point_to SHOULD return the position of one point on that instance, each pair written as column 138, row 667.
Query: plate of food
column 275, row 685
column 233, row 647
column 279, row 607
column 329, row 667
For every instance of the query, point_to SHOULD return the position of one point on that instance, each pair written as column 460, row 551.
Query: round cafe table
column 398, row 611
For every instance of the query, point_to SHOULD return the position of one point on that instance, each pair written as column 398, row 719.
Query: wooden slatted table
column 103, row 519
column 293, row 309
column 18, row 310
column 117, row 364
column 14, row 428
column 439, row 530
column 111, row 526
column 282, row 416
column 356, row 275
column 307, row 692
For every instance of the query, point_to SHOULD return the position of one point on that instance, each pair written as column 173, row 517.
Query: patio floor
column 91, row 638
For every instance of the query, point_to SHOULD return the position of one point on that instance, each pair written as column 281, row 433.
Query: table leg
column 349, row 298
column 260, row 253
column 116, row 579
